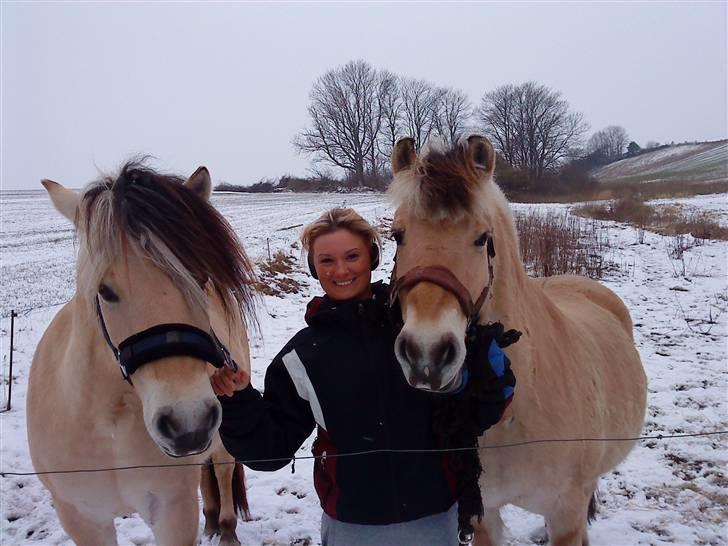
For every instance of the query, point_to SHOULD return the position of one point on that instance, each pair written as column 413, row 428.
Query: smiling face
column 343, row 265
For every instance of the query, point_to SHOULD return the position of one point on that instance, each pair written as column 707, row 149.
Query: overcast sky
column 86, row 85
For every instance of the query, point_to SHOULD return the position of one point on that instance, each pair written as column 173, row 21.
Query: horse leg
column 489, row 532
column 567, row 523
column 228, row 519
column 175, row 522
column 83, row 530
column 210, row 500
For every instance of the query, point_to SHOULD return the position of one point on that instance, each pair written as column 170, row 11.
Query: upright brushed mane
column 442, row 184
column 155, row 215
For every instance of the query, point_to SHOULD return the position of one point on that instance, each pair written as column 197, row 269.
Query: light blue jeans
column 437, row 530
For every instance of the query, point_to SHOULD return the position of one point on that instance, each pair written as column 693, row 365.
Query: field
column 701, row 162
column 670, row 491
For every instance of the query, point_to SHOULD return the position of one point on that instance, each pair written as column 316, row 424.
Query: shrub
column 557, row 243
column 275, row 277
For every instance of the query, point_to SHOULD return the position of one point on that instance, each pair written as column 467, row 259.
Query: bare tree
column 609, row 143
column 392, row 115
column 498, row 115
column 346, row 116
column 451, row 114
column 532, row 126
column 419, row 100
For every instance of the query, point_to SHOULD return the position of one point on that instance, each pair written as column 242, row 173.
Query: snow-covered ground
column 667, row 492
column 705, row 161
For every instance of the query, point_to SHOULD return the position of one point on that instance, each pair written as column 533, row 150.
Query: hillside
column 701, row 162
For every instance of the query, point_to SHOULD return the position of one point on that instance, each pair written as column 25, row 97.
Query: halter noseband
column 164, row 340
column 444, row 278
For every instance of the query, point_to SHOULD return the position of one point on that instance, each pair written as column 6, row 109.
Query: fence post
column 13, row 314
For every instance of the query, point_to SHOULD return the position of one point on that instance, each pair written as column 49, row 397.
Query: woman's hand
column 225, row 381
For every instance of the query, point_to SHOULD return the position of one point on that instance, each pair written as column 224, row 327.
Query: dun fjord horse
column 163, row 286
column 578, row 372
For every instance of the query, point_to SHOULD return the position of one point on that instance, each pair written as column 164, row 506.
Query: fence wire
column 293, row 459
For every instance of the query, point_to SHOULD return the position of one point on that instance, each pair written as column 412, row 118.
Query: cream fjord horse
column 158, row 269
column 579, row 374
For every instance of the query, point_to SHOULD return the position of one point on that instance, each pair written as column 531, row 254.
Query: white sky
column 86, row 85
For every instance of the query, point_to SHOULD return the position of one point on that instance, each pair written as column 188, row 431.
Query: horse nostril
column 167, row 426
column 444, row 352
column 410, row 351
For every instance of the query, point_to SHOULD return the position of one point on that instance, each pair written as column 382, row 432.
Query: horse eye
column 107, row 294
column 480, row 241
column 398, row 236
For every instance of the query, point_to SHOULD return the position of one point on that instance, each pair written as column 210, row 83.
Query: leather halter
column 444, row 278
column 164, row 340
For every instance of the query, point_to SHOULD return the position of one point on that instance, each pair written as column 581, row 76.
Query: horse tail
column 240, row 496
column 593, row 507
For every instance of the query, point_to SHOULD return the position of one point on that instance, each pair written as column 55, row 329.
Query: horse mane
column 443, row 184
column 183, row 234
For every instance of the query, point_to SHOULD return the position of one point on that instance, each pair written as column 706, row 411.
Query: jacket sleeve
column 256, row 428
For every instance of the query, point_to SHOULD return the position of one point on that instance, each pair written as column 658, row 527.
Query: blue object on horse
column 497, row 361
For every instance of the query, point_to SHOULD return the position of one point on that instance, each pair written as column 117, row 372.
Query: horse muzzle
column 432, row 364
column 181, row 434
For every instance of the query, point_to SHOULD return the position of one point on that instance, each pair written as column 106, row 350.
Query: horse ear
column 403, row 154
column 66, row 201
column 200, row 183
column 482, row 152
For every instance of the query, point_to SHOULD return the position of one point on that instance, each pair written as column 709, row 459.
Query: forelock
column 155, row 215
column 444, row 184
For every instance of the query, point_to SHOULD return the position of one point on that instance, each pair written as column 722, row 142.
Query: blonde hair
column 340, row 218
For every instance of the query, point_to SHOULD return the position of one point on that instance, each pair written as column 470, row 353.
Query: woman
column 340, row 376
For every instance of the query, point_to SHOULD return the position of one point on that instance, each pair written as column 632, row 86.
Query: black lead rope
column 165, row 340
column 455, row 419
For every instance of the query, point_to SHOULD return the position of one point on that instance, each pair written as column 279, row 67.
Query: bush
column 275, row 278
column 554, row 243
column 666, row 219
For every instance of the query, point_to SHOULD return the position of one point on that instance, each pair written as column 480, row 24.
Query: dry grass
column 275, row 278
column 665, row 219
column 558, row 243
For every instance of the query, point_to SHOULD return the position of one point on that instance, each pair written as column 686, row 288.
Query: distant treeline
column 513, row 181
column 311, row 184
column 358, row 112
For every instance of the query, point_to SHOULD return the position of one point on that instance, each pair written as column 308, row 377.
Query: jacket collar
column 322, row 309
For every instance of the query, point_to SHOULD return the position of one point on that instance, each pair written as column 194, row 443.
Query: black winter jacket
column 340, row 375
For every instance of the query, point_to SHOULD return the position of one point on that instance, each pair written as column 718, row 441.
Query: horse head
column 154, row 255
column 449, row 212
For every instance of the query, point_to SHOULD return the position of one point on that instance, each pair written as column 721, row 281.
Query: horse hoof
column 228, row 537
column 229, row 541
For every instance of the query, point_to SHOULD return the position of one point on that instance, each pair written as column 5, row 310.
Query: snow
column 704, row 161
column 667, row 492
